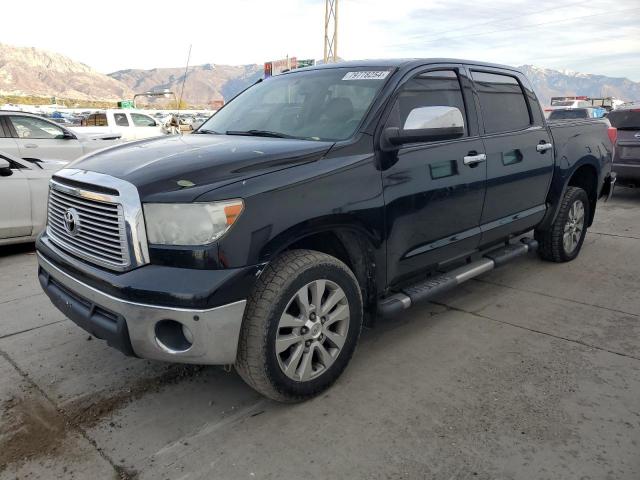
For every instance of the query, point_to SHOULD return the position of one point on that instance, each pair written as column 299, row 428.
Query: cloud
column 596, row 36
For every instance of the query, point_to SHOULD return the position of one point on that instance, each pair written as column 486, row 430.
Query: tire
column 569, row 223
column 276, row 316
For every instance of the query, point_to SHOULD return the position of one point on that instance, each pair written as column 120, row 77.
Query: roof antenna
column 184, row 80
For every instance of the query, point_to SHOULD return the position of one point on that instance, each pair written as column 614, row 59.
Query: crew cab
column 311, row 204
column 128, row 124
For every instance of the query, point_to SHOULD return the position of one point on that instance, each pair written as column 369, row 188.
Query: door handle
column 543, row 147
column 31, row 145
column 474, row 159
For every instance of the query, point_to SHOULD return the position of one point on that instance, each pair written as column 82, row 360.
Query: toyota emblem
column 71, row 221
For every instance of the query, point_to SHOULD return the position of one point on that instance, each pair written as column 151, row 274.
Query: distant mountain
column 549, row 83
column 31, row 71
column 204, row 83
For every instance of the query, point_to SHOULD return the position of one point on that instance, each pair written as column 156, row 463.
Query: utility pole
column 331, row 31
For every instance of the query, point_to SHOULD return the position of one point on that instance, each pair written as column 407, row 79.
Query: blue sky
column 596, row 36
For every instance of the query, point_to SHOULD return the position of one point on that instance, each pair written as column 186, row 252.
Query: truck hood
column 195, row 164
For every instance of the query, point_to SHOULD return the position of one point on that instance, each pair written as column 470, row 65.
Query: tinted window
column 35, row 128
column 121, row 119
column 504, row 108
column 97, row 120
column 568, row 114
column 431, row 89
column 625, row 119
column 140, row 120
column 2, row 132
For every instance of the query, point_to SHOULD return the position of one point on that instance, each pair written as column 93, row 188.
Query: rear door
column 519, row 153
column 433, row 197
column 15, row 202
column 39, row 138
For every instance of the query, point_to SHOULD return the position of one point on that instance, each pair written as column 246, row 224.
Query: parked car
column 130, row 125
column 575, row 113
column 627, row 154
column 25, row 135
column 313, row 202
column 24, row 187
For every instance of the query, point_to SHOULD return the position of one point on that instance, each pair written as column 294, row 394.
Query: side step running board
column 433, row 286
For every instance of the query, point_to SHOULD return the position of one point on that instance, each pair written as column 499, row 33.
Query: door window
column 140, row 120
column 35, row 128
column 431, row 89
column 503, row 104
column 121, row 119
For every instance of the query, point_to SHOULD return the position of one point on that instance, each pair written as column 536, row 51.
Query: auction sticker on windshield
column 368, row 75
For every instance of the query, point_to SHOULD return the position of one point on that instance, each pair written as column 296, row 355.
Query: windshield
column 567, row 114
column 625, row 119
column 313, row 105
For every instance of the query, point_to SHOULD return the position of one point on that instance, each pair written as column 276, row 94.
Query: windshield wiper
column 259, row 133
column 208, row 131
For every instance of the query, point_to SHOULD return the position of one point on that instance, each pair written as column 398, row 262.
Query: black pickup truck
column 311, row 204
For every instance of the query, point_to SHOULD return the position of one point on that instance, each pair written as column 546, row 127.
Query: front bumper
column 132, row 327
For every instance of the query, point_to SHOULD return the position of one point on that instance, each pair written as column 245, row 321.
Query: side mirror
column 5, row 168
column 67, row 135
column 426, row 124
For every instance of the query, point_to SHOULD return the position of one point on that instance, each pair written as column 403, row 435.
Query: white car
column 25, row 135
column 24, row 186
column 130, row 125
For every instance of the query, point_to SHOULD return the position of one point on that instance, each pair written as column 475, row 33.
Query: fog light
column 173, row 337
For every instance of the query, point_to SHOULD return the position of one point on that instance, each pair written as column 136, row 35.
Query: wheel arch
column 351, row 244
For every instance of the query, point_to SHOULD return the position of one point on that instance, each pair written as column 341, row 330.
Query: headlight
column 189, row 223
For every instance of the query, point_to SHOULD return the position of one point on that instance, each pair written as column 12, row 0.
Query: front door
column 433, row 196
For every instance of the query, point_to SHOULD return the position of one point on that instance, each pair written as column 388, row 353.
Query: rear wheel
column 301, row 326
column 563, row 240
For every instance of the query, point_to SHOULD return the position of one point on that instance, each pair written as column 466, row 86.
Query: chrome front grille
column 91, row 229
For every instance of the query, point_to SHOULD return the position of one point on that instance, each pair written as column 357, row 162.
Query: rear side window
column 97, row 120
column 504, row 108
column 2, row 132
column 439, row 88
column 625, row 119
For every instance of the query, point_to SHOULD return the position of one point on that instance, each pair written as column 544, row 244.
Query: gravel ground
column 529, row 372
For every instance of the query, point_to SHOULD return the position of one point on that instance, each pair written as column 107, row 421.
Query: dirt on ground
column 32, row 427
column 29, row 428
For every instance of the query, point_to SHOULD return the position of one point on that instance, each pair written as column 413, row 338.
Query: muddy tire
column 301, row 326
column 562, row 241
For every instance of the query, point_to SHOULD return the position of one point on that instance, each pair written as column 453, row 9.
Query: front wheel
column 300, row 327
column 563, row 240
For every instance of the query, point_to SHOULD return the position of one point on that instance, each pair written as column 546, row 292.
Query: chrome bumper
column 214, row 332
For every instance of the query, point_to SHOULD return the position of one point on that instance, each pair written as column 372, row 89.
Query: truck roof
column 401, row 62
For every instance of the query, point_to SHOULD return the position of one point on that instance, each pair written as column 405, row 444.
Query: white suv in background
column 25, row 135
